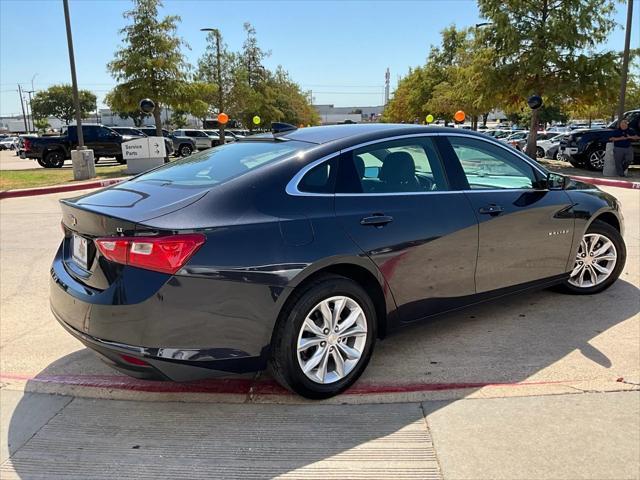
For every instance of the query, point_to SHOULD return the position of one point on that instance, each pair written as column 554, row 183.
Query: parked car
column 297, row 249
column 520, row 143
column 182, row 146
column 229, row 137
column 200, row 137
column 131, row 131
column 586, row 148
column 549, row 148
column 9, row 143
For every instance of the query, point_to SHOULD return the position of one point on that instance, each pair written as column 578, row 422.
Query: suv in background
column 586, row 148
column 132, row 131
column 182, row 145
column 200, row 137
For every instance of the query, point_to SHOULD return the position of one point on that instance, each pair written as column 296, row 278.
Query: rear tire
column 602, row 249
column 54, row 159
column 539, row 152
column 304, row 335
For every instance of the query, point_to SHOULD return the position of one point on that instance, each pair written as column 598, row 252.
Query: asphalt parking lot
column 537, row 386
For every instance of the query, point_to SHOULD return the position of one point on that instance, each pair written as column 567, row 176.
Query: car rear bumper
column 183, row 327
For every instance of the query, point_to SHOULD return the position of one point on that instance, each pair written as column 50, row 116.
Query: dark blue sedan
column 296, row 250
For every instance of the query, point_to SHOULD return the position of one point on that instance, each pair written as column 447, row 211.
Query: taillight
column 165, row 254
column 27, row 145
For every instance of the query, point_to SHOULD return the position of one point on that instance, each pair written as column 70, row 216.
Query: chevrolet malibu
column 296, row 250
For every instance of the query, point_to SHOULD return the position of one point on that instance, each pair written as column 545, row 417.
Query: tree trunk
column 532, row 141
column 485, row 117
column 158, row 119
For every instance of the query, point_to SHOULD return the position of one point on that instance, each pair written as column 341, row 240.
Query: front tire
column 595, row 159
column 539, row 152
column 600, row 259
column 324, row 338
column 185, row 150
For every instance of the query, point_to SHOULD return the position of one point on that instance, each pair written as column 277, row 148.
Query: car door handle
column 491, row 209
column 376, row 220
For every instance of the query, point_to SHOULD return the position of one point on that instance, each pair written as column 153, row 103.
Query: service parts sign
column 147, row 147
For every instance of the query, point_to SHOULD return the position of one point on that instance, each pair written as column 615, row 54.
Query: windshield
column 219, row 164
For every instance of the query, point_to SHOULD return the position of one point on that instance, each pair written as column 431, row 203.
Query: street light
column 625, row 61
column 218, row 75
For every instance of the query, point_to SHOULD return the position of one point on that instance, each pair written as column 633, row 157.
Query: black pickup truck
column 586, row 148
column 51, row 152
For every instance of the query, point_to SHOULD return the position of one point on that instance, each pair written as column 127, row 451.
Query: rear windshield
column 216, row 165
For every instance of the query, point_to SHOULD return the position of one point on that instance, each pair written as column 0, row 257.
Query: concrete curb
column 28, row 192
column 609, row 182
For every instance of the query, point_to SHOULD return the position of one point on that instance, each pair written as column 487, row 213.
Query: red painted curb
column 608, row 182
column 27, row 192
column 241, row 386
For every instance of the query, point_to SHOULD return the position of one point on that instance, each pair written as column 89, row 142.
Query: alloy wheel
column 595, row 261
column 332, row 339
column 596, row 159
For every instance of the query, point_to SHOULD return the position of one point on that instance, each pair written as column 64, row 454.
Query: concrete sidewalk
column 591, row 436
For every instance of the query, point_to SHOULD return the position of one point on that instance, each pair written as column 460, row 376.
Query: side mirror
column 555, row 181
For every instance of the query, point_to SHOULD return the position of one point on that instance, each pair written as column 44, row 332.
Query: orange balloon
column 459, row 116
column 223, row 118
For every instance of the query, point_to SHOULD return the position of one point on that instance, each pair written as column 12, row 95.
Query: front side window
column 397, row 166
column 488, row 166
column 217, row 165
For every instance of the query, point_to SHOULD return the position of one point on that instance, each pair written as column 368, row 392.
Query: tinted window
column 90, row 132
column 407, row 165
column 319, row 179
column 489, row 166
column 222, row 163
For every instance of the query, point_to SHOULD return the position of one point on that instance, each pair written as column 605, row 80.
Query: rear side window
column 320, row 179
column 217, row 165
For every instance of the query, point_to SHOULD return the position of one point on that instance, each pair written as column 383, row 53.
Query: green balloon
column 429, row 118
column 256, row 120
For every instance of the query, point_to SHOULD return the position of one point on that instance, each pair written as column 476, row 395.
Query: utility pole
column 387, row 78
column 24, row 116
column 82, row 158
column 30, row 108
column 625, row 60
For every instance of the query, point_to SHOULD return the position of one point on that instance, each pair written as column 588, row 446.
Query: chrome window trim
column 292, row 186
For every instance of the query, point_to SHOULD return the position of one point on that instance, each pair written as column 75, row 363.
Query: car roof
column 331, row 133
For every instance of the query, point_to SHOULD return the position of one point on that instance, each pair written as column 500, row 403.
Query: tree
column 196, row 98
column 41, row 124
column 545, row 47
column 57, row 101
column 178, row 119
column 150, row 63
column 125, row 107
column 251, row 57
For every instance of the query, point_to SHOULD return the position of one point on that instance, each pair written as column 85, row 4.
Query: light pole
column 218, row 76
column 625, row 60
column 82, row 159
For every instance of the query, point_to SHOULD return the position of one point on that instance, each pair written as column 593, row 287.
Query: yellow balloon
column 429, row 118
column 256, row 120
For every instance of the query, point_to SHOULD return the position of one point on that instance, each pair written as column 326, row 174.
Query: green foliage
column 41, row 124
column 125, row 107
column 57, row 101
column 150, row 62
column 548, row 47
column 178, row 119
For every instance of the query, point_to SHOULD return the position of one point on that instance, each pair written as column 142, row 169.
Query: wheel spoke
column 581, row 277
column 606, row 258
column 306, row 343
column 313, row 362
column 310, row 326
column 603, row 249
column 338, row 306
column 356, row 331
column 339, row 361
column 600, row 268
column 350, row 320
column 326, row 314
column 322, row 368
column 576, row 270
column 350, row 353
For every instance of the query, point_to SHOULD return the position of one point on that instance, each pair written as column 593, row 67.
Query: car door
column 110, row 141
column 394, row 201
column 525, row 232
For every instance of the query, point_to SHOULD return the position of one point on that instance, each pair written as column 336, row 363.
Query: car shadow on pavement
column 542, row 335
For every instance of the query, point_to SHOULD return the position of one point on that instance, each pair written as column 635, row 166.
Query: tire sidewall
column 614, row 236
column 52, row 162
column 293, row 375
column 184, row 148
